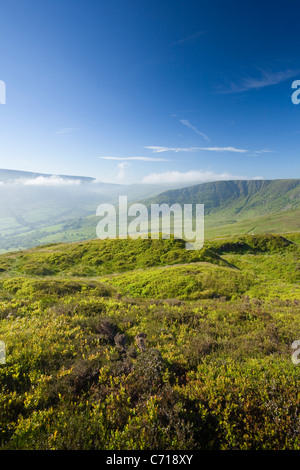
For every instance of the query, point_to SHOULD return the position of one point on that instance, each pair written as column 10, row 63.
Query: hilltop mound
column 251, row 244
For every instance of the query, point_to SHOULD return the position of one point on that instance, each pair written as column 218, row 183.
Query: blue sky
column 150, row 91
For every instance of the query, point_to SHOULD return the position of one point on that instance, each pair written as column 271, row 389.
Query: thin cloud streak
column 224, row 149
column 187, row 123
column 156, row 149
column 188, row 38
column 260, row 152
column 141, row 159
column 193, row 176
column 49, row 181
column 267, row 79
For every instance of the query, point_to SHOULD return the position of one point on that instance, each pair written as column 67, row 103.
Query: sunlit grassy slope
column 141, row 344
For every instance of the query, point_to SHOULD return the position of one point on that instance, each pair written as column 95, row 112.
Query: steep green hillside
column 237, row 207
column 239, row 198
column 158, row 348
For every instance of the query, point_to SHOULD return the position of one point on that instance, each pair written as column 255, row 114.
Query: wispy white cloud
column 193, row 176
column 2, row 92
column 266, row 79
column 121, row 170
column 260, row 152
column 188, row 38
column 224, row 149
column 66, row 130
column 187, row 123
column 142, row 159
column 156, row 149
column 48, row 181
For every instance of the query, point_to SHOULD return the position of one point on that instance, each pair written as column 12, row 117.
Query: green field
column 273, row 223
column 141, row 344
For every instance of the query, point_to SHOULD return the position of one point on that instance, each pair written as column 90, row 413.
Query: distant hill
column 255, row 197
column 237, row 207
